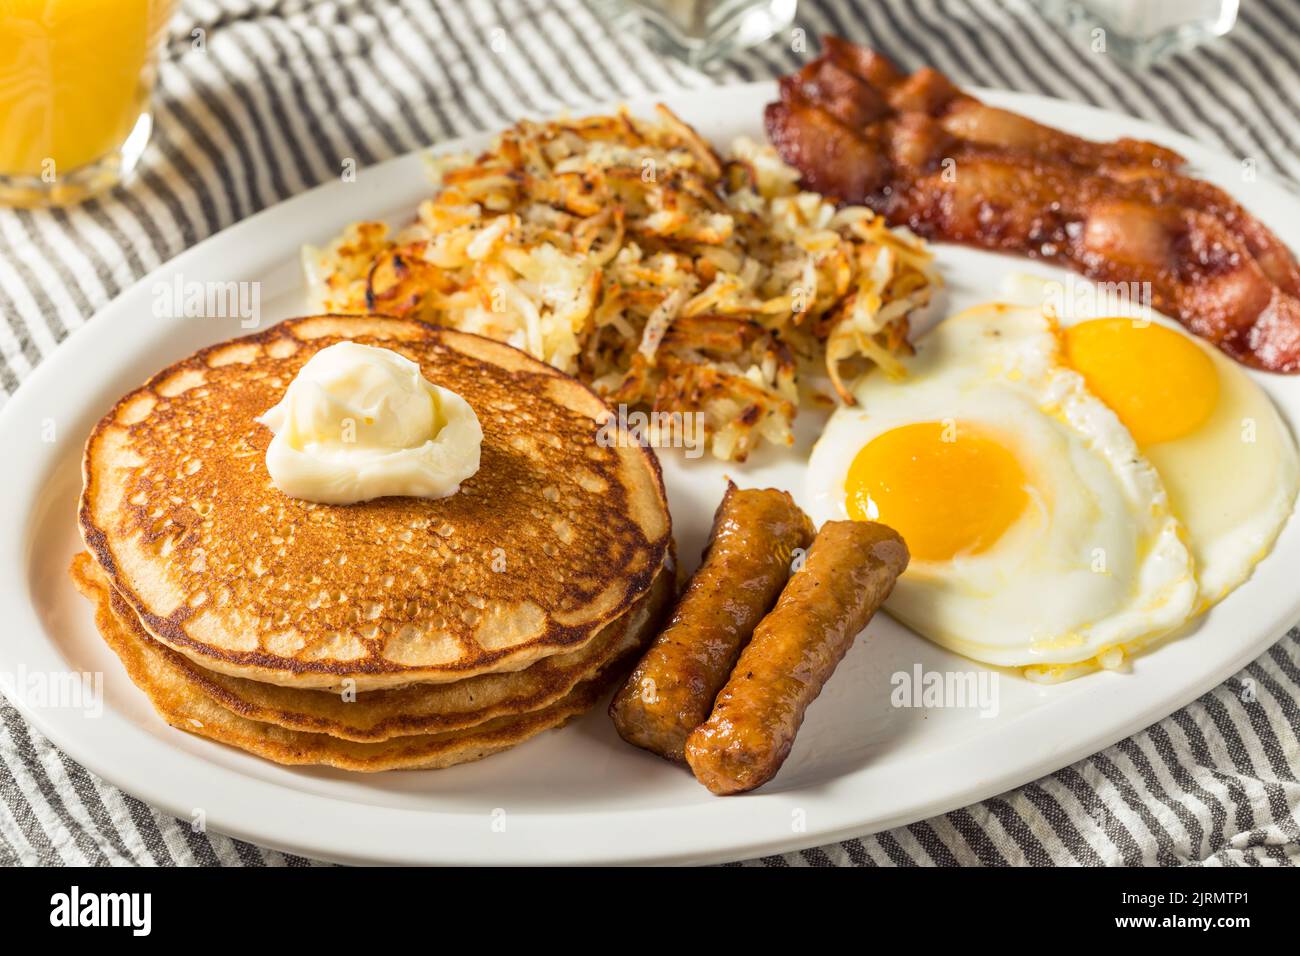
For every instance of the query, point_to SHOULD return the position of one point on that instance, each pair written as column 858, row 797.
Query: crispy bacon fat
column 924, row 154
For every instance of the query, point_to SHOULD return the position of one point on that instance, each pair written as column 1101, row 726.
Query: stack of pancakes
column 395, row 633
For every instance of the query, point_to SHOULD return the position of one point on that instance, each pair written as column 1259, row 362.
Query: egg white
column 1233, row 481
column 1095, row 566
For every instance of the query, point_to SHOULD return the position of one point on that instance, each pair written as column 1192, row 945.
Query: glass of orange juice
column 75, row 81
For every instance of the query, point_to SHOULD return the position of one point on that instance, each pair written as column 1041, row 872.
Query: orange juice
column 75, row 78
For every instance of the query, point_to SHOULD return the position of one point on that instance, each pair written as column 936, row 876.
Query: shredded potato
column 626, row 252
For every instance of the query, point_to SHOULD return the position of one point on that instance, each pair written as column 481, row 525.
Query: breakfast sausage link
column 849, row 571
column 745, row 565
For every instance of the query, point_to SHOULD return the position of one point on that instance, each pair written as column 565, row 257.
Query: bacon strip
column 918, row 150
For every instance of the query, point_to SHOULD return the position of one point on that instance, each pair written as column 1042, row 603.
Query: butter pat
column 359, row 422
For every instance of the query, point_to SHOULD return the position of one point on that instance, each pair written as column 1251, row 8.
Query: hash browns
column 627, row 252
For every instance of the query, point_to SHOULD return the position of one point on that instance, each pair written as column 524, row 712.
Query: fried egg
column 1040, row 535
column 1227, row 460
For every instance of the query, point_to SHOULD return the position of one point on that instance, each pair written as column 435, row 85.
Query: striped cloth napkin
column 284, row 88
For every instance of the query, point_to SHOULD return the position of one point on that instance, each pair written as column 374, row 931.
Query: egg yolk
column 946, row 488
column 1160, row 383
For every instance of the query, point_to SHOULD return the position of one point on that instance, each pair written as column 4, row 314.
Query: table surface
column 269, row 96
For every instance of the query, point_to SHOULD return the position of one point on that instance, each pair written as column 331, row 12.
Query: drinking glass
column 1144, row 31
column 75, row 81
column 700, row 31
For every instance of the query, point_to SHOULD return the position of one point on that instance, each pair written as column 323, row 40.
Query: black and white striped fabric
column 282, row 90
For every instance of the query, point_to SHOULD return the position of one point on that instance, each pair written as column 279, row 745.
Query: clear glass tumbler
column 1143, row 32
column 700, row 32
column 75, row 82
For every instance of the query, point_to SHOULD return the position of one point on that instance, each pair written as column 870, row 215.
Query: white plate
column 577, row 795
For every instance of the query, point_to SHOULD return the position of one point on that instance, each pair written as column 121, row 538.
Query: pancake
column 167, row 678
column 419, row 708
column 555, row 536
